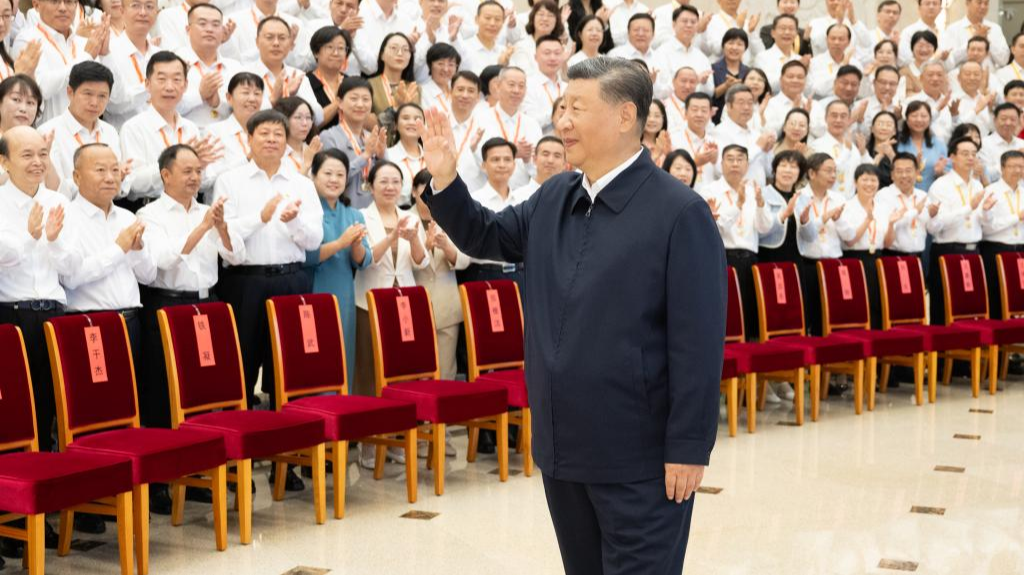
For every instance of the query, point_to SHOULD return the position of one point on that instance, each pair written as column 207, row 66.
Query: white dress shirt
column 819, row 32
column 390, row 269
column 29, row 267
column 688, row 140
column 818, row 238
column 192, row 105
column 496, row 123
column 1005, row 75
column 376, row 25
column 771, row 62
column 719, row 24
column 523, row 193
column 168, row 226
column 293, row 75
column 409, row 165
column 673, row 55
column 242, row 44
column 541, row 93
column 967, row 112
column 431, row 96
column 992, row 148
column 68, row 137
column 248, row 189
column 728, row 132
column 956, row 221
column 911, row 229
column 853, row 217
column 740, row 226
column 906, row 55
column 777, row 109
column 143, row 138
column 821, row 74
column 955, row 36
column 463, row 132
column 847, row 160
column 1003, row 222
column 476, row 56
column 235, row 140
column 129, row 96
column 489, row 198
column 618, row 19
column 102, row 275
column 629, row 52
column 170, row 27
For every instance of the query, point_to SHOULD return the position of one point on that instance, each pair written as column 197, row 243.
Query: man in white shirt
column 928, row 12
column 911, row 229
column 825, row 66
column 172, row 24
column 185, row 239
column 129, row 55
column 546, row 86
column 507, row 120
column 549, row 158
column 956, row 226
column 736, row 128
column 728, row 17
column 89, row 86
column 61, row 49
column 638, row 47
column 684, row 83
column 277, row 214
column 205, row 100
column 245, row 96
column 279, row 79
column 33, row 253
column 620, row 16
column 846, row 88
column 973, row 102
column 491, row 43
column 467, row 133
column 1003, row 226
column 145, row 136
column 793, row 85
column 841, row 13
column 694, row 136
column 842, row 145
column 683, row 50
column 935, row 92
column 772, row 60
column 242, row 46
column 1003, row 139
column 955, row 36
column 887, row 19
column 886, row 84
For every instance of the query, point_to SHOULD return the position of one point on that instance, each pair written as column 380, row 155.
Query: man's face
column 734, row 164
column 835, row 7
column 1013, row 170
column 268, row 141
column 685, row 83
column 837, row 118
column 838, row 40
column 166, row 85
column 904, row 174
column 499, row 164
column 934, row 80
column 185, row 175
column 465, row 94
column 433, row 7
column 590, row 123
column 512, row 90
column 28, row 156
column 742, row 108
column 1016, row 96
column 698, row 112
column 730, row 6
column 342, row 9
column 847, row 87
column 970, row 77
column 549, row 57
column 57, row 14
column 140, row 15
column 685, row 27
column 886, row 83
column 640, row 34
column 274, row 42
column 1007, row 124
column 929, row 9
column 793, row 81
column 89, row 101
column 784, row 32
column 549, row 158
column 965, row 156
column 489, row 21
column 976, row 52
column 206, row 28
column 888, row 16
column 98, row 175
column 977, row 9
column 788, row 6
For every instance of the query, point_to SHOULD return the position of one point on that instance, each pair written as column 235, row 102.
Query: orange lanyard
column 441, row 102
column 241, row 142
column 138, row 72
column 74, row 50
column 872, row 234
column 558, row 93
column 465, row 138
column 9, row 72
column 199, row 67
column 1016, row 70
column 963, row 199
column 167, row 142
column 1015, row 206
column 686, row 132
column 387, row 91
column 501, row 125
column 95, row 138
column 298, row 165
column 679, row 109
column 328, row 90
column 351, row 138
column 824, row 209
column 409, row 166
column 903, row 204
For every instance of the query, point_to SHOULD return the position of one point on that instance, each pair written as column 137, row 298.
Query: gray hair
column 507, row 69
column 620, row 81
column 931, row 64
column 730, row 95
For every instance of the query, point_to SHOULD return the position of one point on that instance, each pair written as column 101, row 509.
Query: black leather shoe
column 12, row 548
column 195, row 494
column 89, row 523
column 52, row 539
column 292, row 482
column 487, row 443
column 1016, row 367
column 160, row 501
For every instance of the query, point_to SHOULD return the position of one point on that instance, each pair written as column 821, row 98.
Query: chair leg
column 1004, row 365
column 519, row 437
column 993, row 368
column 858, row 388
column 526, row 441
column 976, row 371
column 411, row 465
column 947, row 370
column 919, row 378
column 64, row 532
column 883, row 385
column 35, row 548
column 798, row 398
column 244, row 491
column 318, row 454
column 124, row 531
column 751, row 402
column 437, row 445
column 140, row 521
column 826, row 377
column 339, row 465
column 872, row 382
column 815, row 390
column 380, row 454
column 177, row 503
column 280, row 473
column 730, row 404
column 933, row 367
column 219, row 488
column 474, row 441
column 430, row 455
column 503, row 446
column 762, row 394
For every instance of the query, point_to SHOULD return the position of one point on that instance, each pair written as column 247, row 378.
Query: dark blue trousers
column 618, row 528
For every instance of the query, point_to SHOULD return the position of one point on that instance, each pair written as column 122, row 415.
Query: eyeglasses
column 334, row 49
column 299, row 118
column 398, row 50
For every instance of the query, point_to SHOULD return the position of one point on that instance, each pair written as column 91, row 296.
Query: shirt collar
column 91, row 210
column 16, row 195
column 75, row 127
column 157, row 122
column 593, row 189
column 254, row 170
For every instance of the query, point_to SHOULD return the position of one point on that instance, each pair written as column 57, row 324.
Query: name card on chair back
column 310, row 344
column 780, row 286
column 904, row 273
column 965, row 271
column 1020, row 272
column 844, row 282
column 97, row 359
column 204, row 342
column 494, row 311
column 405, row 319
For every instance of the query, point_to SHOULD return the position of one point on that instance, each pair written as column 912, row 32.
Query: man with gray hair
column 936, row 92
column 625, row 318
column 737, row 127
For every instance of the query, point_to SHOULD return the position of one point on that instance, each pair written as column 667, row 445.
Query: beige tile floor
column 831, row 497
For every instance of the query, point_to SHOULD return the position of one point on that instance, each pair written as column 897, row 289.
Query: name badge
column 494, row 310
column 97, row 358
column 310, row 344
column 844, row 283
column 780, row 286
column 965, row 272
column 405, row 325
column 204, row 341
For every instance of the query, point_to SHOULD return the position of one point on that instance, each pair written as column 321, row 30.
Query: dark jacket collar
column 620, row 190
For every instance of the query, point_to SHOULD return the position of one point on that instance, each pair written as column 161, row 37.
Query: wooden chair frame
column 1004, row 362
column 991, row 358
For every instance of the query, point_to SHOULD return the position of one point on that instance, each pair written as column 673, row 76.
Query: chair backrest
column 93, row 374
column 964, row 287
column 17, row 407
column 404, row 343
column 1011, row 283
column 494, row 337
column 844, row 295
column 779, row 299
column 734, row 322
column 204, row 362
column 901, row 281
column 308, row 346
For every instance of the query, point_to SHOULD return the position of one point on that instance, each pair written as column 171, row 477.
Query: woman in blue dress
column 345, row 248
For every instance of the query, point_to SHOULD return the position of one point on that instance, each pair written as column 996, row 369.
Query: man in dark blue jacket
column 625, row 323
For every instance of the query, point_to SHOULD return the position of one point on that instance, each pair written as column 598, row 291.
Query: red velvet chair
column 1010, row 266
column 310, row 378
column 966, row 291
column 34, row 483
column 901, row 282
column 98, row 413
column 406, row 369
column 781, row 307
column 760, row 359
column 495, row 351
column 207, row 391
column 845, row 311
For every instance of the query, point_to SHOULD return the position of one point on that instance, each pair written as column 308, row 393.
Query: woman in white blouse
column 543, row 21
column 397, row 242
column 407, row 153
column 816, row 237
column 591, row 34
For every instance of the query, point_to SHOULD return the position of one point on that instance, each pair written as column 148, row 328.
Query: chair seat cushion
column 41, row 482
column 996, row 332
column 942, row 338
column 444, row 401
column 879, row 343
column 728, row 366
column 260, row 433
column 352, row 417
column 760, row 357
column 514, row 381
column 823, row 350
column 157, row 454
